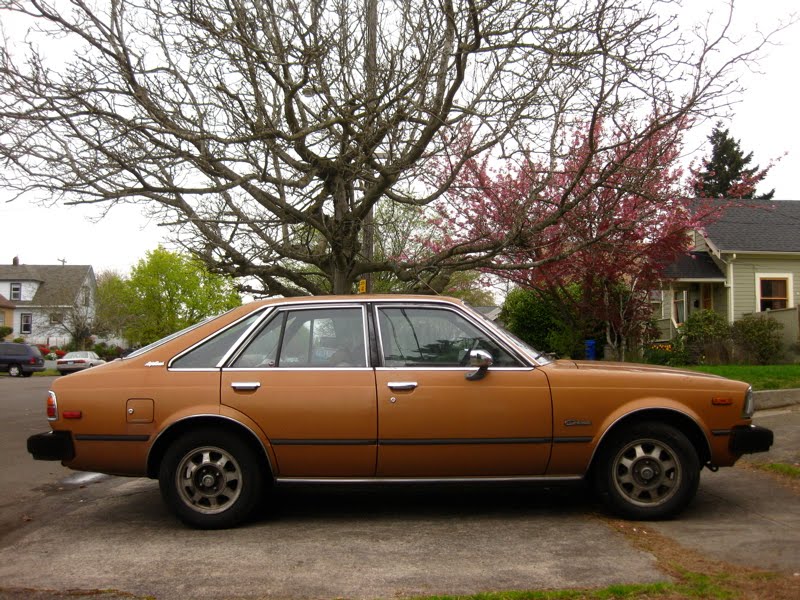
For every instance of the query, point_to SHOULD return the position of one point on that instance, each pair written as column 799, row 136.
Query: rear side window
column 308, row 338
column 208, row 354
column 15, row 350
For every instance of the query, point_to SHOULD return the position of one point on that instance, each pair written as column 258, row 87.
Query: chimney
column 15, row 262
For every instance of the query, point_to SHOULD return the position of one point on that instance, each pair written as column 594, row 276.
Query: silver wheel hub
column 647, row 472
column 208, row 480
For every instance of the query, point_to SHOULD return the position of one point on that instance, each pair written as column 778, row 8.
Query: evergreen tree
column 726, row 173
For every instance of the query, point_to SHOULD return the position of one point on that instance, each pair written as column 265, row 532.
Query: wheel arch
column 178, row 428
column 667, row 416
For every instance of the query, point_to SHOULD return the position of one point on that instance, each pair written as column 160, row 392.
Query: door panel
column 448, row 426
column 304, row 379
column 320, row 423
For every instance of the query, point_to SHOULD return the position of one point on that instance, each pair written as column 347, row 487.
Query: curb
column 776, row 398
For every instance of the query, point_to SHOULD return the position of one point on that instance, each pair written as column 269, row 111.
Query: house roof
column 694, row 265
column 760, row 226
column 5, row 302
column 59, row 284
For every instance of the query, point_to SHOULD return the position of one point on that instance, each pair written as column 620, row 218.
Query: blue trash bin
column 591, row 350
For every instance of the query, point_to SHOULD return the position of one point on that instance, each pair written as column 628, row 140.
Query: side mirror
column 481, row 360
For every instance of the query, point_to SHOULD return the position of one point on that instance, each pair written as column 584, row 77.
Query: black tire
column 648, row 472
column 14, row 370
column 211, row 479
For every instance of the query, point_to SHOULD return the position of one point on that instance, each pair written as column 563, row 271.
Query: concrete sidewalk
column 768, row 399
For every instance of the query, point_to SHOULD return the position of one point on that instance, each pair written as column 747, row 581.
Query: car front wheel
column 648, row 472
column 211, row 479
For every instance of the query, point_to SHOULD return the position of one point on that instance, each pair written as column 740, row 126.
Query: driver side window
column 430, row 337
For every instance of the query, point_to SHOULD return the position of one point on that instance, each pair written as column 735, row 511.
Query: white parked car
column 77, row 361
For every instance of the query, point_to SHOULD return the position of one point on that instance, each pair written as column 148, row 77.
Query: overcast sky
column 767, row 122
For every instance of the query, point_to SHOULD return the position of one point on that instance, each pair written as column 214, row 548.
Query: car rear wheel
column 211, row 479
column 14, row 370
column 648, row 472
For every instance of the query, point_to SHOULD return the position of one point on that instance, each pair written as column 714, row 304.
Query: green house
column 746, row 262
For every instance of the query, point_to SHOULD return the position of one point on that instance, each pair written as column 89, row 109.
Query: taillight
column 52, row 406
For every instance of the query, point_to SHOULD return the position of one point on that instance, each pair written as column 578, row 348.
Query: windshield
column 535, row 355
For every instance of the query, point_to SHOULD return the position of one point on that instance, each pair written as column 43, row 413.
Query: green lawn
column 761, row 377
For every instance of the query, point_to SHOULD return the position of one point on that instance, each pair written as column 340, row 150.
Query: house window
column 774, row 294
column 26, row 323
column 16, row 291
column 56, row 318
column 87, row 296
column 679, row 306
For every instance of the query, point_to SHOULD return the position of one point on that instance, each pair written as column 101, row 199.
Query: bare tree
column 264, row 131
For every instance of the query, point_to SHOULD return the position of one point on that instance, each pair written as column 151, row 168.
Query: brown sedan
column 388, row 389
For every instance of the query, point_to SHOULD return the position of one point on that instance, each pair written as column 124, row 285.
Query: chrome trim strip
column 721, row 432
column 573, row 440
column 279, row 369
column 402, row 385
column 462, row 369
column 245, row 386
column 417, row 480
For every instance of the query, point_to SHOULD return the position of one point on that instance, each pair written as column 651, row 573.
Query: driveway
column 68, row 531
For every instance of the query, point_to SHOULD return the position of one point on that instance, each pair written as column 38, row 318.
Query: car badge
column 154, row 363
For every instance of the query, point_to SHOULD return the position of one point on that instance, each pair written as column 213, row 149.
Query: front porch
column 695, row 282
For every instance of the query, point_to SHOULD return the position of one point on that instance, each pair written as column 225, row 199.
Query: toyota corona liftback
column 388, row 389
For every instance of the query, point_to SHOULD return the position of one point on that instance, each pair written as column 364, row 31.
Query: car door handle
column 400, row 386
column 246, row 386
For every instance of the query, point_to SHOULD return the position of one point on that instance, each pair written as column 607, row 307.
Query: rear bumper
column 53, row 445
column 747, row 439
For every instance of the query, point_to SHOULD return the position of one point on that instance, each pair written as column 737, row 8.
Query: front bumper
column 747, row 439
column 53, row 445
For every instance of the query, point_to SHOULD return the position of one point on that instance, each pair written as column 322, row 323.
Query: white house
column 43, row 303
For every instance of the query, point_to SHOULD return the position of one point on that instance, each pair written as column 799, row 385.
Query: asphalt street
column 63, row 531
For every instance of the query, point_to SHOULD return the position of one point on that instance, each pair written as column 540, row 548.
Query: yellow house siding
column 745, row 270
column 699, row 242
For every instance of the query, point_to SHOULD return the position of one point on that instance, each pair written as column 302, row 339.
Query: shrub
column 705, row 338
column 5, row 330
column 758, row 339
column 659, row 354
column 107, row 352
column 18, row 340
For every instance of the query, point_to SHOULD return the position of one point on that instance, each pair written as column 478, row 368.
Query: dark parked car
column 20, row 359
